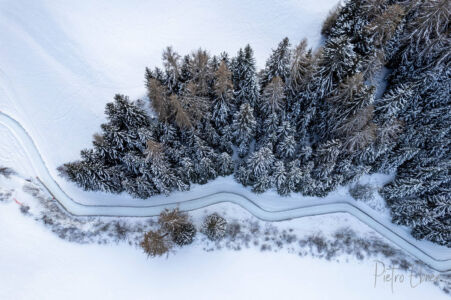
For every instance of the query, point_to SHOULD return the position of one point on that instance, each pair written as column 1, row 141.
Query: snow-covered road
column 439, row 258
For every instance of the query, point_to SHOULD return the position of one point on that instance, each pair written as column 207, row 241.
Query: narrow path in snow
column 437, row 260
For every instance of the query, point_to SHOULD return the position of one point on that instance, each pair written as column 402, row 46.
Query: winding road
column 436, row 257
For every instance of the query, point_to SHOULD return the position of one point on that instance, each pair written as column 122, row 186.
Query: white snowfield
column 436, row 257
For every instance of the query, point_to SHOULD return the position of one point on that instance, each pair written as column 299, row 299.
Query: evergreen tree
column 278, row 64
column 338, row 60
column 286, row 146
column 214, row 227
column 280, row 178
column 273, row 98
column 245, row 78
column 243, row 127
column 325, row 159
column 171, row 63
column 223, row 103
column 225, row 164
column 418, row 96
column 330, row 21
column 260, row 167
column 300, row 68
column 184, row 234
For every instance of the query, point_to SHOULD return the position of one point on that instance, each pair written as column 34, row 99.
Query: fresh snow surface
column 35, row 264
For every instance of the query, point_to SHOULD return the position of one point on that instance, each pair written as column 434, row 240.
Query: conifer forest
column 373, row 98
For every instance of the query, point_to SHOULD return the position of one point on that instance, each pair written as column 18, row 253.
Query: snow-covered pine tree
column 421, row 154
column 243, row 128
column 223, row 106
column 244, row 78
column 260, row 167
column 273, row 98
column 338, row 60
column 223, row 103
column 184, row 234
column 270, row 111
column 101, row 167
column 225, row 164
column 214, row 227
column 301, row 66
column 268, row 130
column 280, row 178
column 330, row 20
column 278, row 64
column 325, row 159
column 171, row 63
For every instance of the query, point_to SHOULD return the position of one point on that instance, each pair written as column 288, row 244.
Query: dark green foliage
column 278, row 64
column 214, row 227
column 184, row 234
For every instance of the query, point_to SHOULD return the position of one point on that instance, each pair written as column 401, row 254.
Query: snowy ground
column 38, row 265
column 60, row 62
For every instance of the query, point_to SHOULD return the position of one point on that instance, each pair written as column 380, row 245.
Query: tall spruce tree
column 278, row 64
column 244, row 127
column 245, row 82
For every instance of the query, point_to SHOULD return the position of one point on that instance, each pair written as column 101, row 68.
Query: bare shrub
column 24, row 209
column 169, row 220
column 156, row 243
column 5, row 195
column 233, row 230
column 6, row 171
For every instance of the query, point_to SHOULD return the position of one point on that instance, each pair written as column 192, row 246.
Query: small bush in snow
column 156, row 243
column 363, row 192
column 233, row 230
column 5, row 195
column 170, row 220
column 24, row 209
column 6, row 172
column 214, row 227
column 177, row 224
column 184, row 234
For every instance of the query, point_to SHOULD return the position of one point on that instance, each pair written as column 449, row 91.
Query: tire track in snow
column 387, row 229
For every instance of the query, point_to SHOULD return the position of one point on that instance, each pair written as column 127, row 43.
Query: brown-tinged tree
column 156, row 243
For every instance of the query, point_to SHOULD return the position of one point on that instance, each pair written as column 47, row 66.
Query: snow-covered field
column 60, row 62
column 35, row 264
